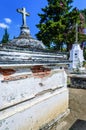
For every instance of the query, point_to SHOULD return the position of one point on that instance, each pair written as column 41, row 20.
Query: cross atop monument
column 76, row 33
column 24, row 14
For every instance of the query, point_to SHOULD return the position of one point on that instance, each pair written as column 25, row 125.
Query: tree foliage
column 5, row 37
column 57, row 22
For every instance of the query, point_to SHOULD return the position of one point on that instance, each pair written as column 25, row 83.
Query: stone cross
column 24, row 14
column 76, row 33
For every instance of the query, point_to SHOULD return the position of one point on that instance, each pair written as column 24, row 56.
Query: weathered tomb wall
column 30, row 98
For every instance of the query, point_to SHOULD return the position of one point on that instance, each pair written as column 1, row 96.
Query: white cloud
column 8, row 20
column 3, row 25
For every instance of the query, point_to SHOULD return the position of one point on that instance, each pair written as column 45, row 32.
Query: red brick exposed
column 6, row 72
column 40, row 71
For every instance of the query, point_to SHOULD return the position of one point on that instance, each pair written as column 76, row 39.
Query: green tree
column 57, row 23
column 5, row 37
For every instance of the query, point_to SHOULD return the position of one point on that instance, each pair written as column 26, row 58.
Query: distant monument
column 76, row 54
column 25, row 39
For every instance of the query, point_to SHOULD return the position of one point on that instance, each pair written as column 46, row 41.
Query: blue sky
column 12, row 20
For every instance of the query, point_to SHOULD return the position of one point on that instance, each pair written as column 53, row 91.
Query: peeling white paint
column 32, row 102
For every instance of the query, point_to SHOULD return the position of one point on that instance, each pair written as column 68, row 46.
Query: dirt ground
column 76, row 120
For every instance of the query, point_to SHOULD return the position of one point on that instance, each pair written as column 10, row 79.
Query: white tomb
column 33, row 90
column 76, row 57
